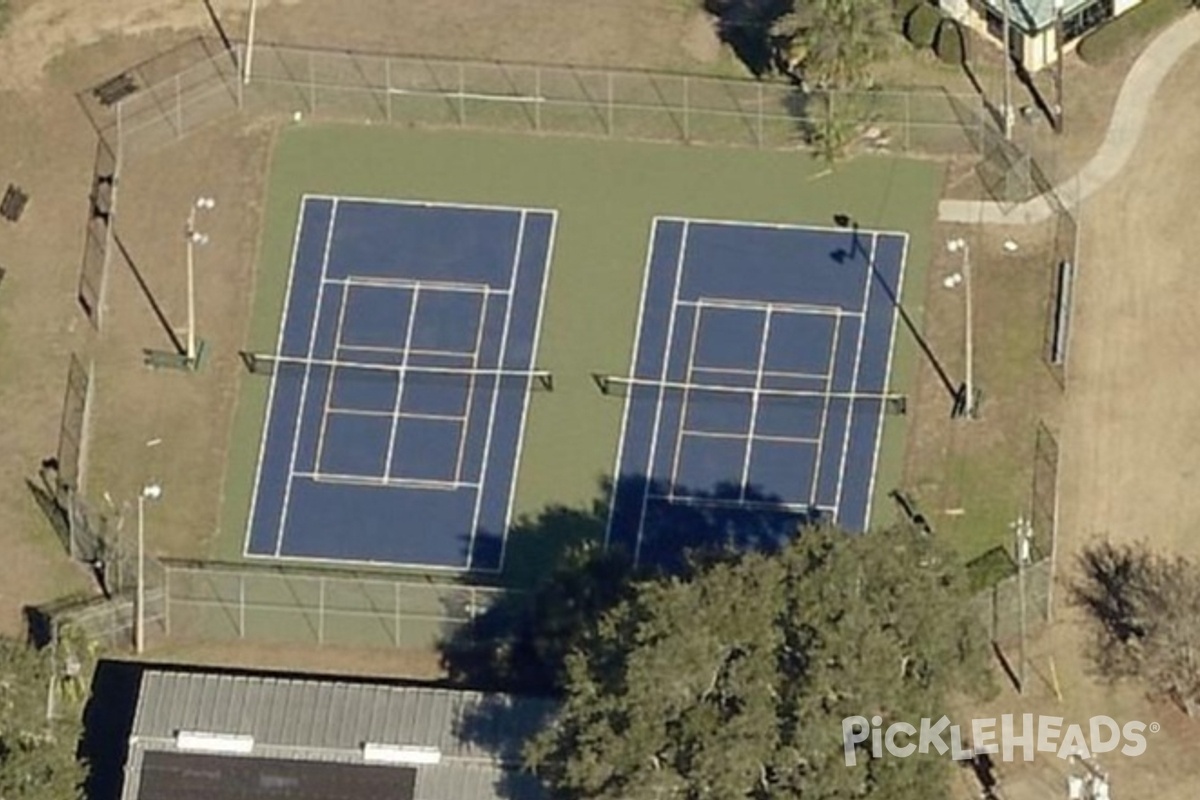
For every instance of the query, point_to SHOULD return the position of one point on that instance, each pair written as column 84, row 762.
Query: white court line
column 687, row 394
column 537, row 336
column 780, row 226
column 398, row 351
column 764, row 437
column 683, row 238
column 833, row 351
column 409, row 284
column 466, row 428
column 366, row 412
column 266, row 425
column 327, row 405
column 799, row 309
column 755, row 401
column 887, row 375
column 738, row 505
column 850, row 404
column 312, row 343
column 491, row 425
column 637, row 346
column 402, row 381
column 346, row 479
column 766, row 373
column 417, row 203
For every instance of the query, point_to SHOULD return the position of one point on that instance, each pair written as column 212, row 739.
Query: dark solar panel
column 185, row 776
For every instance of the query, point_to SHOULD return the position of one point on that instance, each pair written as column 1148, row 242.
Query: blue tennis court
column 401, row 383
column 759, row 384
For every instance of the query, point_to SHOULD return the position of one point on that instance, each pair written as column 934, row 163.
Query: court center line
column 627, row 411
column 738, row 505
column 815, row 484
column 464, row 431
column 491, row 424
column 687, row 396
column 346, row 479
column 328, row 403
column 799, row 309
column 409, row 284
column 367, row 412
column 766, row 373
column 312, row 344
column 658, row 410
column 850, row 404
column 402, row 382
column 755, row 401
column 762, row 437
column 399, row 351
column 268, row 411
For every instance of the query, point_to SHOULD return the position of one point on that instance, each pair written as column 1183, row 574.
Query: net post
column 387, row 80
column 537, row 103
column 687, row 121
column 462, row 94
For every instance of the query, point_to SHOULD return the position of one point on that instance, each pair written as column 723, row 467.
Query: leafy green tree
column 37, row 756
column 734, row 681
column 835, row 44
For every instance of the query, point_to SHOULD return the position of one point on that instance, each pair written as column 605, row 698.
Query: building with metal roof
column 224, row 736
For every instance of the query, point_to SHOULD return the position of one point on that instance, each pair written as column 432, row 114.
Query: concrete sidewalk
column 1124, row 131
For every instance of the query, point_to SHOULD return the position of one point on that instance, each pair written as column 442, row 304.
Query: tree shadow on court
column 564, row 580
column 745, row 26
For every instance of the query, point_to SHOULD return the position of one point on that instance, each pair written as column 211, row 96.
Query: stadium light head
column 206, row 203
column 151, row 491
column 199, row 238
column 955, row 245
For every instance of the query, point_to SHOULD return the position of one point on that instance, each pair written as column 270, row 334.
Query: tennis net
column 623, row 385
column 258, row 363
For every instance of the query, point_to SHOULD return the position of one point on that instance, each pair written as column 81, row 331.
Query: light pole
column 194, row 238
column 962, row 246
column 250, row 42
column 151, row 491
column 1023, row 531
column 1059, row 33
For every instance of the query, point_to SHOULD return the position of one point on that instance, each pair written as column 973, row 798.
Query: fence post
column 759, row 128
column 537, row 101
column 687, row 121
column 312, row 86
column 462, row 95
column 241, row 606
column 387, row 80
column 610, row 102
column 908, row 122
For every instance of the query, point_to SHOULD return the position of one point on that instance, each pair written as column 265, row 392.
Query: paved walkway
column 1124, row 130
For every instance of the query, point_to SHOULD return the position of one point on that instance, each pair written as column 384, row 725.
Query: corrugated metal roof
column 478, row 734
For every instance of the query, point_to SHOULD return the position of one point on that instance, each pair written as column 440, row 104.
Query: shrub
column 920, row 26
column 1129, row 31
column 950, row 43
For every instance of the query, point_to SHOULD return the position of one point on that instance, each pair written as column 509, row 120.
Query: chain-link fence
column 224, row 601
column 197, row 83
